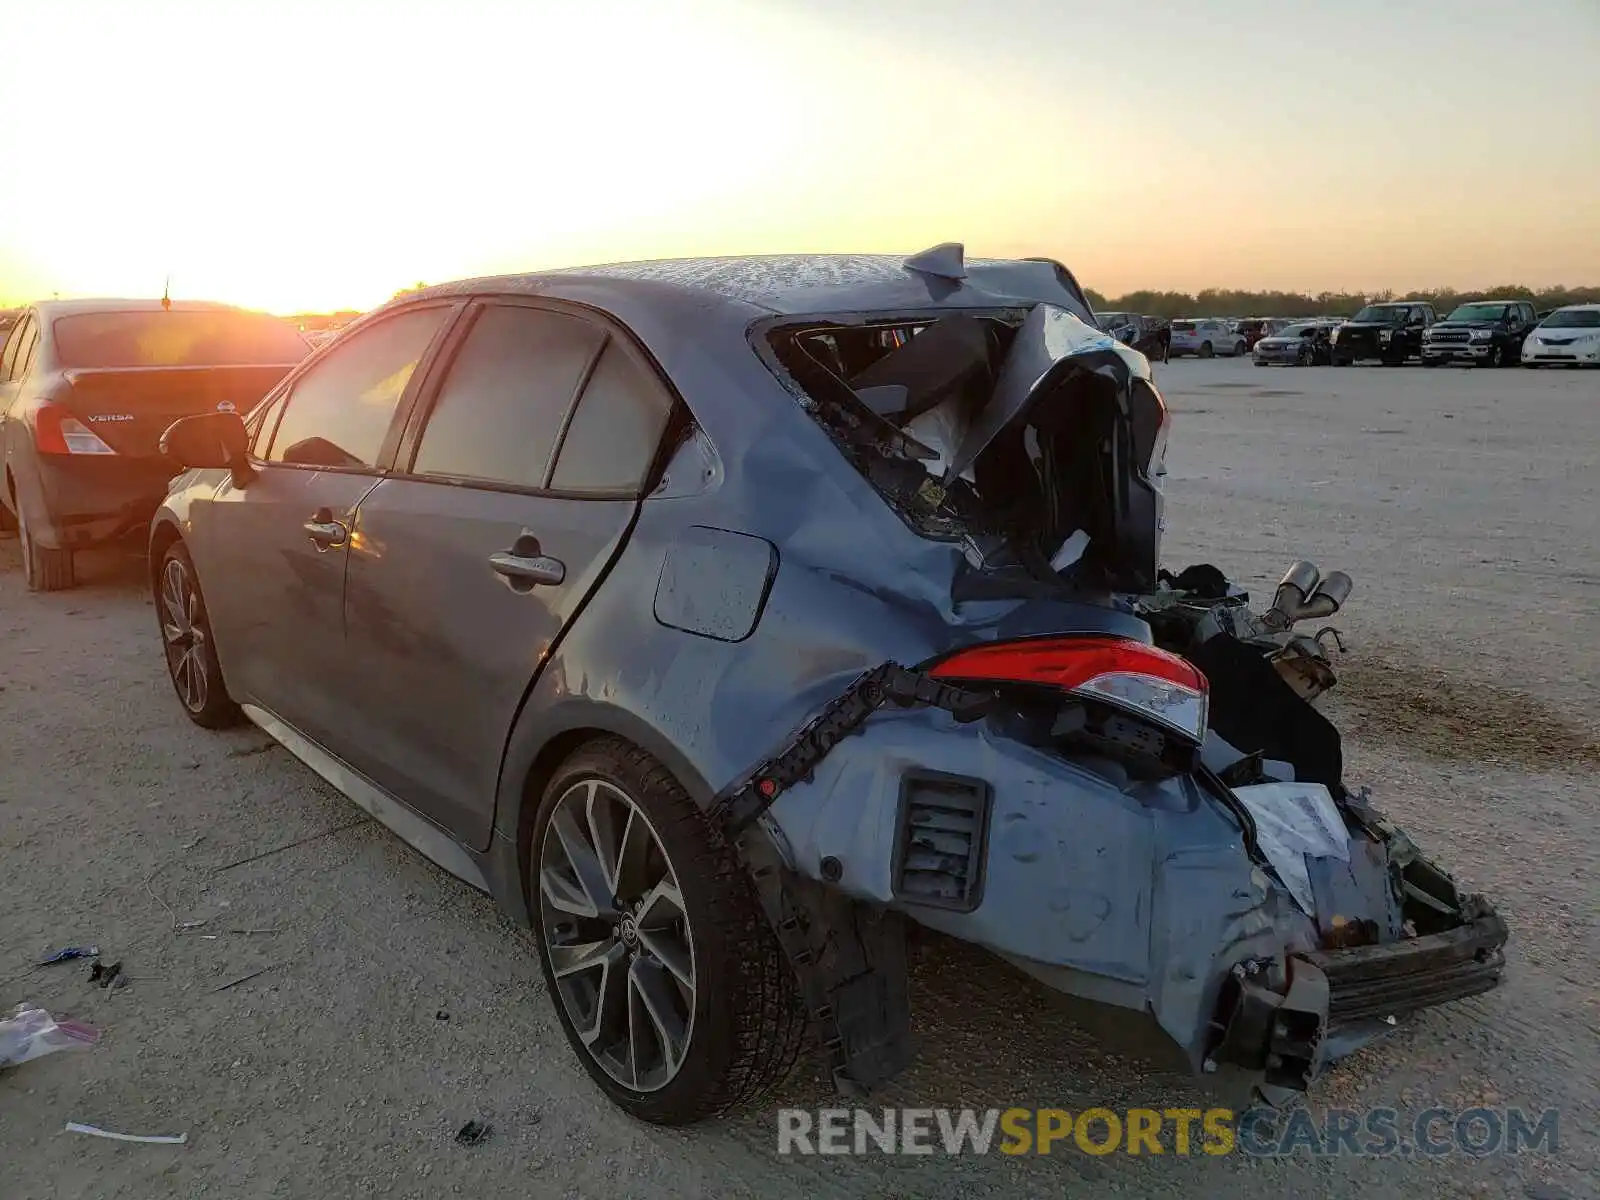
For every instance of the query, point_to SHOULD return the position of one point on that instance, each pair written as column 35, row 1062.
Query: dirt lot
column 392, row 1003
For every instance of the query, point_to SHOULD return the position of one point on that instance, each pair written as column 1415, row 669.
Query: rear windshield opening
column 176, row 339
column 908, row 402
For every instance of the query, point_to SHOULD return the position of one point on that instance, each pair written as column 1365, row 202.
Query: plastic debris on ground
column 68, row 953
column 473, row 1132
column 31, row 1033
column 108, row 976
column 157, row 1138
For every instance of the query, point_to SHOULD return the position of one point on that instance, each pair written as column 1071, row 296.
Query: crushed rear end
column 1111, row 776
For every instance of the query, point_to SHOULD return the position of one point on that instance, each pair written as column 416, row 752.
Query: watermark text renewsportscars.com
column 1254, row 1132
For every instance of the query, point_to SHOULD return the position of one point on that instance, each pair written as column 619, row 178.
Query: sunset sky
column 296, row 156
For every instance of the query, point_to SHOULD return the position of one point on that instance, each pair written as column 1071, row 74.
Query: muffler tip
column 1336, row 586
column 1303, row 577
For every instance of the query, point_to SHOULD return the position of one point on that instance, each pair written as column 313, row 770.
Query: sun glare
column 335, row 153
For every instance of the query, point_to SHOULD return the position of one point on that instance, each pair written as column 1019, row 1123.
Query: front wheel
column 1205, row 350
column 1497, row 357
column 1240, row 349
column 669, row 982
column 191, row 653
column 44, row 569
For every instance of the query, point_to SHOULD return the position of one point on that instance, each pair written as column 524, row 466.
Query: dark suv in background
column 1487, row 333
column 1390, row 333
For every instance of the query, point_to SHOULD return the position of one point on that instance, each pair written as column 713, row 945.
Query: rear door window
column 500, row 410
column 25, row 348
column 8, row 357
column 339, row 412
column 616, row 429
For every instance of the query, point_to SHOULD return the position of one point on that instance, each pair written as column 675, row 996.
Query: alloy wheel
column 618, row 937
column 183, row 631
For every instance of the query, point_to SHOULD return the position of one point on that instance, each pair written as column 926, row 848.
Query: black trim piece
column 432, row 371
column 416, row 386
column 572, row 409
column 921, row 786
column 747, row 798
column 850, row 963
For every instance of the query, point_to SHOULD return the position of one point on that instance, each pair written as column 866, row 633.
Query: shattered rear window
column 894, row 395
column 1016, row 432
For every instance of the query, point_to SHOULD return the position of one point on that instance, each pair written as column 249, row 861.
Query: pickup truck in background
column 1485, row 333
column 1390, row 333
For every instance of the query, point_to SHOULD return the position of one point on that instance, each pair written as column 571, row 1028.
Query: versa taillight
column 55, row 431
column 1121, row 672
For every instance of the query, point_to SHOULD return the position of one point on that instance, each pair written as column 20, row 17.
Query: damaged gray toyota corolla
column 823, row 594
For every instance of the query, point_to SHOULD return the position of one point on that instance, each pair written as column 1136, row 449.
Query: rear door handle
column 325, row 531
column 528, row 570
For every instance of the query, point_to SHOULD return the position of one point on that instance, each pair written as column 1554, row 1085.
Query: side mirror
column 216, row 439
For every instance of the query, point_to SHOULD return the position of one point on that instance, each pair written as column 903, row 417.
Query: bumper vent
column 941, row 838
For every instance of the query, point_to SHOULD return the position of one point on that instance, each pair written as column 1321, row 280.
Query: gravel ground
column 345, row 1006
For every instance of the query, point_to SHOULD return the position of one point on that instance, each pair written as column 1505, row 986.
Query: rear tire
column 45, row 570
column 186, row 636
column 1240, row 349
column 713, row 964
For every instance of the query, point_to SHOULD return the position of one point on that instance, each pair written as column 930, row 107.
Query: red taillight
column 56, row 431
column 1118, row 671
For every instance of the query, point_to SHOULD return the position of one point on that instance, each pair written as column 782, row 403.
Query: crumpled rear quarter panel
column 1141, row 896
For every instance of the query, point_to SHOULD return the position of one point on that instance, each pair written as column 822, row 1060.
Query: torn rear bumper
column 1377, row 982
column 1338, row 1001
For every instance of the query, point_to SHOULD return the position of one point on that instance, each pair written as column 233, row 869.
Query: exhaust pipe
column 1305, row 593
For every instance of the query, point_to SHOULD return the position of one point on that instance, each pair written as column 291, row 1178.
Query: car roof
column 61, row 308
column 1587, row 307
column 792, row 284
column 695, row 316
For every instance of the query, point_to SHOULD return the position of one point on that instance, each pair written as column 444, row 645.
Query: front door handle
column 325, row 531
column 528, row 570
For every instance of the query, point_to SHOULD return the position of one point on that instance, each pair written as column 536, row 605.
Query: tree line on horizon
column 1228, row 302
column 1231, row 302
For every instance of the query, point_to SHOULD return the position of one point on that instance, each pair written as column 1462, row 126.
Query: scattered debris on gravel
column 1425, row 709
